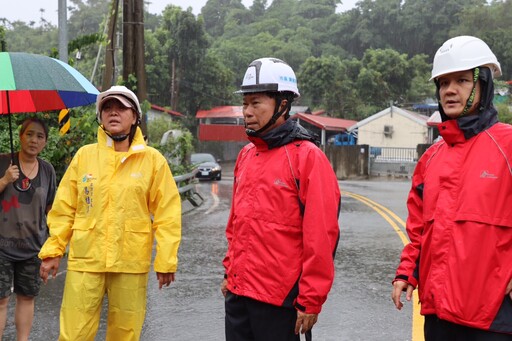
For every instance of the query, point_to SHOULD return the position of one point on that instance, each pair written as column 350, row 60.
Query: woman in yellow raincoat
column 115, row 197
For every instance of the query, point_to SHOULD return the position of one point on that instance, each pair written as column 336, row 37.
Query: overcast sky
column 30, row 10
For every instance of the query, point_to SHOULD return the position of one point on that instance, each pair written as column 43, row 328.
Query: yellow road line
column 388, row 215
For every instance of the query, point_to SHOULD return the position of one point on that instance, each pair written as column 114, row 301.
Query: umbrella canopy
column 32, row 83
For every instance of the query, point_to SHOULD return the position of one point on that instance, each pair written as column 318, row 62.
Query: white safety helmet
column 123, row 95
column 464, row 53
column 269, row 75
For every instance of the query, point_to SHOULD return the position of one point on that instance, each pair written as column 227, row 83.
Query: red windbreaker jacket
column 283, row 227
column 460, row 228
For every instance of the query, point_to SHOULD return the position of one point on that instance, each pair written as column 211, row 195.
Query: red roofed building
column 226, row 123
column 324, row 126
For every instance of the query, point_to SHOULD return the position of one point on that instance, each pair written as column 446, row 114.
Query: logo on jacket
column 486, row 175
column 281, row 183
column 88, row 178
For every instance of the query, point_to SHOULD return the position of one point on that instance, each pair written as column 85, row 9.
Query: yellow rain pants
column 82, row 303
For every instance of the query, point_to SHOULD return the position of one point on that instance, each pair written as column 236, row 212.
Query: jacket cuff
column 43, row 254
column 308, row 309
column 408, row 279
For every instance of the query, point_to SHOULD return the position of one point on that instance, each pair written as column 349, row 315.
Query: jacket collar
column 465, row 127
column 286, row 133
column 137, row 145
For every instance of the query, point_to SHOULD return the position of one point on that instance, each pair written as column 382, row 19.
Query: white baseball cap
column 123, row 95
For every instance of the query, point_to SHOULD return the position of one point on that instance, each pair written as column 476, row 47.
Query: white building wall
column 407, row 133
column 154, row 114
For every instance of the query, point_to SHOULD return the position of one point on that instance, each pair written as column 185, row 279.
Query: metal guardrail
column 187, row 187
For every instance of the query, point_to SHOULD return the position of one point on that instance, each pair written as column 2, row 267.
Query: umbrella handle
column 10, row 125
column 16, row 186
column 21, row 185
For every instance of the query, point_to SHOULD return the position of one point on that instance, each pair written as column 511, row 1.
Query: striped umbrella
column 33, row 83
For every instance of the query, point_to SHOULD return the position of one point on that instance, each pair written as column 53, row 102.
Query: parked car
column 208, row 166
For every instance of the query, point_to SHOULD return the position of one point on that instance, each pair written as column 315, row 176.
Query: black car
column 207, row 166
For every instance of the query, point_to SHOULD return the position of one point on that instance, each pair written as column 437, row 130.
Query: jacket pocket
column 82, row 241
column 490, row 207
column 137, row 241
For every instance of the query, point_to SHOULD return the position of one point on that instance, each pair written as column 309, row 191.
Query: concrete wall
column 349, row 162
column 393, row 169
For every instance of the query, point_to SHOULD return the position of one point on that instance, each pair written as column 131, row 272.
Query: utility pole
column 63, row 31
column 108, row 73
column 133, row 49
column 174, row 97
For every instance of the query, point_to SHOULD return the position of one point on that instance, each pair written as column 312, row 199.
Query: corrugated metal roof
column 326, row 123
column 223, row 111
column 168, row 111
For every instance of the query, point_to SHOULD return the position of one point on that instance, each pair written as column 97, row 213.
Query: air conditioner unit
column 388, row 131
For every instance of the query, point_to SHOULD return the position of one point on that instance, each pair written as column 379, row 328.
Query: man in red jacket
column 283, row 227
column 460, row 220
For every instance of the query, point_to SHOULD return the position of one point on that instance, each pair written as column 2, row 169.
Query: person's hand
column 398, row 287
column 49, row 265
column 305, row 322
column 12, row 173
column 224, row 287
column 164, row 279
column 508, row 291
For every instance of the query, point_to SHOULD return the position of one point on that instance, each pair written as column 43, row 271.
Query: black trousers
column 251, row 320
column 441, row 330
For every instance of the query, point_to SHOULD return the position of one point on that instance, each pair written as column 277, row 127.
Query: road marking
column 388, row 215
column 214, row 191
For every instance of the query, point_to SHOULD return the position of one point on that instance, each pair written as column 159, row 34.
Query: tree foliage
column 351, row 64
column 177, row 148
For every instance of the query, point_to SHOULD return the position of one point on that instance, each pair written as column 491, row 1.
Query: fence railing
column 187, row 187
column 390, row 154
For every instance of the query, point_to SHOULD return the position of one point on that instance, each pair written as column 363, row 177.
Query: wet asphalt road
column 359, row 306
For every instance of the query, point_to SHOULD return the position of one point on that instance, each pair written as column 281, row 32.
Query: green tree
column 324, row 83
column 3, row 45
column 183, row 73
column 21, row 37
column 425, row 25
column 385, row 76
column 420, row 87
column 176, row 50
column 383, row 48
column 311, row 9
column 492, row 24
column 258, row 8
column 215, row 13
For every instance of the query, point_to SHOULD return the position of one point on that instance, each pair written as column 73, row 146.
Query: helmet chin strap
column 116, row 138
column 273, row 119
column 469, row 103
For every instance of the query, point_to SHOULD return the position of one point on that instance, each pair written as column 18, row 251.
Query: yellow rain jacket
column 110, row 205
